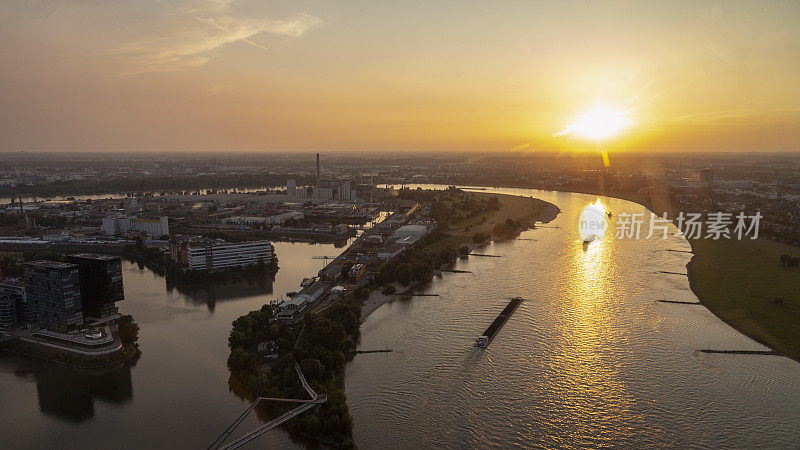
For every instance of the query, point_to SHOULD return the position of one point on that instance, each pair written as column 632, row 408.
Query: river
column 591, row 359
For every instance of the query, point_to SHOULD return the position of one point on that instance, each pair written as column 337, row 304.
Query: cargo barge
column 487, row 336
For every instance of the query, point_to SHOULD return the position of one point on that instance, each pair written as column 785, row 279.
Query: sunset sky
column 241, row 75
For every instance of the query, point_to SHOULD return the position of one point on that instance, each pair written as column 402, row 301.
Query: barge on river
column 487, row 336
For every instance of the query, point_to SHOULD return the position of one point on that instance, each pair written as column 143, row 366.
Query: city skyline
column 222, row 75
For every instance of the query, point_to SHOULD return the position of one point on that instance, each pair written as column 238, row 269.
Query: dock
column 498, row 323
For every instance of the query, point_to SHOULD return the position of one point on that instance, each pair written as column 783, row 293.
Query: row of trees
column 507, row 229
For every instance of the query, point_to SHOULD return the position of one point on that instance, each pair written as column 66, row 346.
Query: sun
column 599, row 123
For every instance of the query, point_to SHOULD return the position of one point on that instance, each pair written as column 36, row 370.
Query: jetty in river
column 487, row 336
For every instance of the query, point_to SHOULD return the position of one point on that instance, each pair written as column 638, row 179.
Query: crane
column 326, row 258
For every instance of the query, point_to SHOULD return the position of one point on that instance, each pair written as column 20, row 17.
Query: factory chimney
column 319, row 180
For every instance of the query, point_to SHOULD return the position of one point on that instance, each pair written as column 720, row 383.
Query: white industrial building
column 291, row 307
column 149, row 226
column 409, row 234
column 215, row 255
column 312, row 297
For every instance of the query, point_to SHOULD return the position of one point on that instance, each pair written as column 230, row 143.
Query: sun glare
column 599, row 123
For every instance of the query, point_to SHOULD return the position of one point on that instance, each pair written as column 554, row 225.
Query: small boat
column 589, row 238
column 307, row 281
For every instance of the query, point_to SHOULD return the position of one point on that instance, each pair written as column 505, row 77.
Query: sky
column 295, row 75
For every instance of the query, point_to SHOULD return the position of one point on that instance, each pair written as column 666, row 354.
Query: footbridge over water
column 305, row 405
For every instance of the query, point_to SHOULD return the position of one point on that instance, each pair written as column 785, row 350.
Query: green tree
column 405, row 274
column 241, row 360
column 128, row 330
column 238, row 339
column 499, row 230
column 274, row 331
column 389, row 290
column 350, row 322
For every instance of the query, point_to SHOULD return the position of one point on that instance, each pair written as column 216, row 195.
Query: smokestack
column 319, row 180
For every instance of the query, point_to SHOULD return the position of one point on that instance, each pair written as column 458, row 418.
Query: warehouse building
column 158, row 226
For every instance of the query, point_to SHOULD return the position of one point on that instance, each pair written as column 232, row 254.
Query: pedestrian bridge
column 305, row 405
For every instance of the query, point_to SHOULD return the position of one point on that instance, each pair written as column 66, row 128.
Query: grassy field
column 739, row 280
column 521, row 209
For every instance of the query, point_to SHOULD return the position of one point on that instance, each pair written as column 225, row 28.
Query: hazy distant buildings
column 707, row 177
column 149, row 226
column 54, row 287
column 322, row 189
column 100, row 283
column 327, row 190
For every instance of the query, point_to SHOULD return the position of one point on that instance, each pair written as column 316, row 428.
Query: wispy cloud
column 192, row 31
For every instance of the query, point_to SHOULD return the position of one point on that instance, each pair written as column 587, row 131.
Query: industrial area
column 219, row 232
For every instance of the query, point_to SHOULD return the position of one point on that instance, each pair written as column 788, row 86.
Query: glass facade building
column 54, row 287
column 100, row 283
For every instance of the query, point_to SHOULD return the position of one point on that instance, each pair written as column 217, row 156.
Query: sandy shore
column 377, row 298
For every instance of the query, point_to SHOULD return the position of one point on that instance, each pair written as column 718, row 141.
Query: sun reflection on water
column 593, row 337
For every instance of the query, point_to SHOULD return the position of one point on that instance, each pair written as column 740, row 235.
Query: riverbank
column 524, row 210
column 377, row 299
column 745, row 285
column 742, row 282
column 128, row 352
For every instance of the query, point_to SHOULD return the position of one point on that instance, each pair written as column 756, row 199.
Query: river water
column 590, row 360
column 177, row 394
